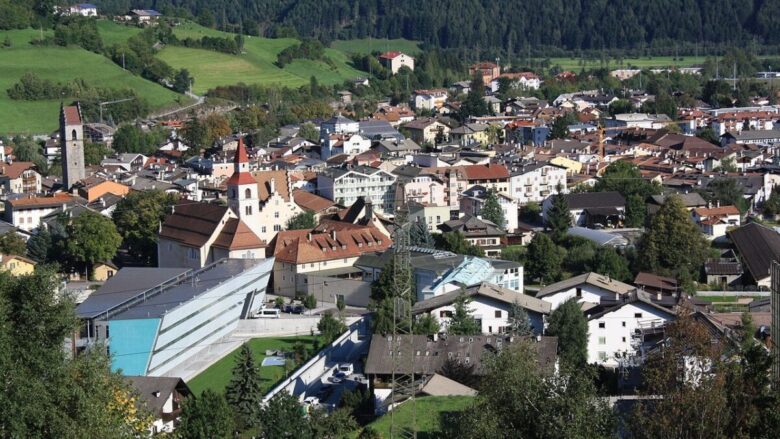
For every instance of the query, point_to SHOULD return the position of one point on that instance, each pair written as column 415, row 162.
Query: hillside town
column 611, row 255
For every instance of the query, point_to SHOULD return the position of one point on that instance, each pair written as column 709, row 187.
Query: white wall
column 604, row 344
column 588, row 293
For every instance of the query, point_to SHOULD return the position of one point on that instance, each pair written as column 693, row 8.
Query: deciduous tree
column 207, row 416
column 137, row 218
column 12, row 244
column 92, row 238
column 304, row 220
column 544, row 259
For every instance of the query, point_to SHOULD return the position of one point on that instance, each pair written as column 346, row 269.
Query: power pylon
column 403, row 384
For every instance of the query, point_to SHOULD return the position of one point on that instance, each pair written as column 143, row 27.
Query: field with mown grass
column 430, row 411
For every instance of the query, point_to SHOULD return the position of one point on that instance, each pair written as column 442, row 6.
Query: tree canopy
column 492, row 211
column 244, row 391
column 568, row 323
column 92, row 238
column 137, row 217
column 544, row 259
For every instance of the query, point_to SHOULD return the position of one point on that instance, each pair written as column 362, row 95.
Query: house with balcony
column 714, row 222
column 473, row 199
column 534, row 182
column 19, row 178
column 345, row 185
column 479, row 232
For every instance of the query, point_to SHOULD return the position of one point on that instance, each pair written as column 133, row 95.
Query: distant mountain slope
column 508, row 25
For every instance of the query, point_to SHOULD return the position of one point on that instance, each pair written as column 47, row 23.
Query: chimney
column 308, row 236
column 273, row 185
column 333, row 234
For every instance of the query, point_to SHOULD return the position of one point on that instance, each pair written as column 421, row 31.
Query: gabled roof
column 192, row 224
column 15, row 169
column 472, row 226
column 155, row 391
column 488, row 290
column 655, row 281
column 485, row 172
column 56, row 200
column 585, row 200
column 716, row 211
column 595, row 279
column 311, row 202
column 236, row 235
column 634, row 298
column 304, row 246
column 263, row 179
column 758, row 246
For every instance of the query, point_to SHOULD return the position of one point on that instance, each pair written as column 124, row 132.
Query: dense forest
column 498, row 26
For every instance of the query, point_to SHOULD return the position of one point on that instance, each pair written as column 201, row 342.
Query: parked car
column 346, row 368
column 269, row 313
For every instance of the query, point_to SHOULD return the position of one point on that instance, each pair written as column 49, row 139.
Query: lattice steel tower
column 403, row 381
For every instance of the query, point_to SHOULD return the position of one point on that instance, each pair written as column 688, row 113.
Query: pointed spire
column 241, row 155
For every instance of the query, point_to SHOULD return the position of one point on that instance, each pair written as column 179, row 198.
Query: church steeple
column 242, row 187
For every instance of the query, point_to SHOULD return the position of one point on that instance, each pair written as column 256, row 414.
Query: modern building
column 154, row 320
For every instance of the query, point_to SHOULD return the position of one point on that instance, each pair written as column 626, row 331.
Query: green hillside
column 254, row 66
column 368, row 45
column 60, row 64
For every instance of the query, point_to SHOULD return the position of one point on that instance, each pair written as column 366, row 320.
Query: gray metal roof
column 595, row 279
column 126, row 284
column 598, row 236
column 195, row 284
column 488, row 290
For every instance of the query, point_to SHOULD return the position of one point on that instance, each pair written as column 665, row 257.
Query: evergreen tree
column 419, row 235
column 475, row 104
column 558, row 216
column 492, row 211
column 456, row 242
column 282, row 417
column 207, row 416
column 462, row 321
column 609, row 262
column 40, row 246
column 544, row 259
column 426, row 324
column 302, row 221
column 244, row 392
column 569, row 324
column 391, row 284
column 12, row 244
column 673, row 244
column 519, row 322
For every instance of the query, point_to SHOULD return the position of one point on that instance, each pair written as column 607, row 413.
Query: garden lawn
column 218, row 375
column 61, row 64
column 430, row 410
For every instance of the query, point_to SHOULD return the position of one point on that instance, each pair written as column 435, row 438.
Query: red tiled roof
column 57, row 199
column 301, row 247
column 240, row 178
column 390, row 55
column 311, row 202
column 485, row 172
column 72, row 115
column 241, row 155
column 14, row 170
column 236, row 235
column 716, row 211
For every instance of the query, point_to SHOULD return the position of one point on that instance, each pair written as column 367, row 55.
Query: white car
column 346, row 368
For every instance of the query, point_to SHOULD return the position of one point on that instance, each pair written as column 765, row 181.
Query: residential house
column 521, row 80
column 309, row 202
column 128, row 162
column 428, row 130
column 83, row 9
column 714, row 222
column 333, row 246
column 394, row 60
column 99, row 133
column 338, row 125
column 758, row 137
column 103, row 271
column 589, row 289
column 621, row 334
column 757, row 246
column 490, row 305
column 398, row 148
column 534, row 182
column 92, row 188
column 163, row 397
column 421, row 187
column 19, row 178
column 346, row 185
column 349, row 144
column 144, row 16
column 655, row 284
column 592, row 209
column 488, row 70
column 726, row 272
column 491, row 176
column 473, row 200
column 479, row 232
column 16, row 265
column 433, row 215
column 26, row 213
column 430, row 99
column 470, row 133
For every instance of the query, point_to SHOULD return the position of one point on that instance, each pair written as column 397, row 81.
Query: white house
column 588, row 209
column 335, row 125
column 590, row 289
column 26, row 213
column 489, row 304
column 715, row 221
column 623, row 331
column 345, row 186
column 535, row 182
column 521, row 80
column 394, row 60
column 430, row 99
column 83, row 9
column 163, row 396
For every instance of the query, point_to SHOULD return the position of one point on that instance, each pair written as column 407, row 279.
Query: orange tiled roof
column 57, row 199
column 15, row 170
column 716, row 211
column 303, row 246
column 236, row 235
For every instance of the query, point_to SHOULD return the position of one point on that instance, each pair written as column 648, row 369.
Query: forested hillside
column 498, row 26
